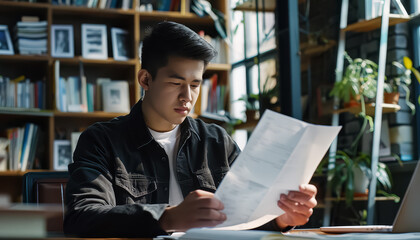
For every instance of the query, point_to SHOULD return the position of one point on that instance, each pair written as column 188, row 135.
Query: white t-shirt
column 170, row 141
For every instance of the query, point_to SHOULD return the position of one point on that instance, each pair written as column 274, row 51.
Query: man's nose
column 185, row 94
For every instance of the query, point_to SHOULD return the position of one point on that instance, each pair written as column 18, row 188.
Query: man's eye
column 175, row 83
column 195, row 86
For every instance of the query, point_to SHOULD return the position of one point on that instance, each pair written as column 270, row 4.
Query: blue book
column 40, row 87
column 63, row 94
column 163, row 5
column 25, row 146
column 89, row 93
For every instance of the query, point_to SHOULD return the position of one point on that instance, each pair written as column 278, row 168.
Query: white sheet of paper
column 281, row 154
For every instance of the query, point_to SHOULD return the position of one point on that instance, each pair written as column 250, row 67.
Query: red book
column 36, row 90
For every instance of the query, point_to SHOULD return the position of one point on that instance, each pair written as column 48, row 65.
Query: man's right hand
column 199, row 209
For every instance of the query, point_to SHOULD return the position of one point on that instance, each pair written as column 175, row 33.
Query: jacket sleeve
column 232, row 147
column 91, row 209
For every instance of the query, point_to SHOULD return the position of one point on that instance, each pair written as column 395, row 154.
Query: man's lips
column 182, row 109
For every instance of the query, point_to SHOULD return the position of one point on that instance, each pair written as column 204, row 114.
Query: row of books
column 31, row 37
column 102, row 4
column 218, row 44
column 22, row 147
column 212, row 97
column 150, row 5
column 22, row 93
column 77, row 94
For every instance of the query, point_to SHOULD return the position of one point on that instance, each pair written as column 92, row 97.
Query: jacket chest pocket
column 205, row 180
column 134, row 188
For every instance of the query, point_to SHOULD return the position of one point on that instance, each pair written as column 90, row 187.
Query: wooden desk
column 314, row 230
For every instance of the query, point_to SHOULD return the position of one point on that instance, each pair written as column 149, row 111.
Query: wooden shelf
column 369, row 25
column 218, row 67
column 364, row 198
column 24, row 4
column 71, row 10
column 249, row 125
column 370, row 109
column 250, row 5
column 19, row 173
column 109, row 61
column 186, row 18
column 99, row 115
column 24, row 58
column 315, row 50
column 25, row 112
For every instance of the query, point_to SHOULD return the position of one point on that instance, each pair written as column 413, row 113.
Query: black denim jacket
column 120, row 174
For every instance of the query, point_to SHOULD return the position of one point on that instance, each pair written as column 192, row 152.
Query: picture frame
column 94, row 41
column 115, row 96
column 119, row 44
column 62, row 154
column 6, row 46
column 62, row 41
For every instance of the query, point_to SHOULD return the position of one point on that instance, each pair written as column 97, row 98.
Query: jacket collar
column 141, row 135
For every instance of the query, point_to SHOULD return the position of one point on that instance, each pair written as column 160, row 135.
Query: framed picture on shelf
column 6, row 46
column 62, row 43
column 94, row 41
column 62, row 154
column 115, row 96
column 119, row 43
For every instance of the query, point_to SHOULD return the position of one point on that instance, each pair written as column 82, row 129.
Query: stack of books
column 102, row 4
column 23, row 147
column 218, row 44
column 212, row 97
column 22, row 93
column 31, row 37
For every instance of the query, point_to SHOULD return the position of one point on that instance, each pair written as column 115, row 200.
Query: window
column 245, row 79
column 244, row 54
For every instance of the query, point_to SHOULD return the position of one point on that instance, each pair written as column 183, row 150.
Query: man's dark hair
column 173, row 39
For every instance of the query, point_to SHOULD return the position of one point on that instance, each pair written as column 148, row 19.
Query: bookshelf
column 55, row 124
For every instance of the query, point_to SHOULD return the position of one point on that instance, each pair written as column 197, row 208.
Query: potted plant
column 358, row 82
column 403, row 80
column 251, row 106
column 269, row 96
column 352, row 172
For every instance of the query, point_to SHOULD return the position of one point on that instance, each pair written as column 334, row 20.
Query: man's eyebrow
column 175, row 75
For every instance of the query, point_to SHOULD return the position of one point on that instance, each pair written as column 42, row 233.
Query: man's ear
column 144, row 77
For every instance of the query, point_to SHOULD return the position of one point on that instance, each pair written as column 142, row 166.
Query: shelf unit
column 370, row 109
column 251, row 5
column 379, row 108
column 40, row 67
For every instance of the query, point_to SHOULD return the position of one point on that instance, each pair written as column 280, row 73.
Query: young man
column 155, row 170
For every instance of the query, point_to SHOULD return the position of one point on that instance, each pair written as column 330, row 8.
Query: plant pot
column 391, row 97
column 360, row 180
column 252, row 115
column 353, row 102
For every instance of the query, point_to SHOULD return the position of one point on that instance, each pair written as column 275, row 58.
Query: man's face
column 173, row 92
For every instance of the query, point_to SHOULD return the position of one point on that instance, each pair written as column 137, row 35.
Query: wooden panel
column 263, row 5
column 369, row 25
column 370, row 109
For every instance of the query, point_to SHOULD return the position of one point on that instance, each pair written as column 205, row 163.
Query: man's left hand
column 297, row 205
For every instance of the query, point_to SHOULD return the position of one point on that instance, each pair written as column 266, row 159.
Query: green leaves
column 359, row 78
column 342, row 176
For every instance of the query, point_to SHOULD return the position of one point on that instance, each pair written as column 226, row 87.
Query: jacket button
column 163, row 159
column 166, row 189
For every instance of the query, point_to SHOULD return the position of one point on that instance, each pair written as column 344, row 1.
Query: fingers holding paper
column 199, row 209
column 297, row 205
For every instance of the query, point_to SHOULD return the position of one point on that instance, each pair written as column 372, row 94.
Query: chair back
column 46, row 187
